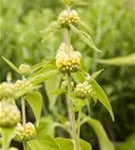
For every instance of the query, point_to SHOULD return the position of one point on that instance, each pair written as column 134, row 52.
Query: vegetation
column 63, row 57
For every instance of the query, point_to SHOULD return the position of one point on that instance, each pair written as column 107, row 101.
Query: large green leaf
column 67, row 144
column 102, row 97
column 46, row 143
column 35, row 101
column 84, row 37
column 105, row 143
column 11, row 65
column 120, row 61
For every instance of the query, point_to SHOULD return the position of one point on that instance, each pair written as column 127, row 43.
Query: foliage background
column 112, row 27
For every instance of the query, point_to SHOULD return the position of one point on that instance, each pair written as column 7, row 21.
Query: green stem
column 23, row 111
column 23, row 118
column 72, row 116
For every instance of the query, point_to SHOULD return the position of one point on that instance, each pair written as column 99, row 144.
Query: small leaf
column 105, row 143
column 35, row 101
column 96, row 74
column 120, row 61
column 84, row 37
column 102, row 97
column 11, row 65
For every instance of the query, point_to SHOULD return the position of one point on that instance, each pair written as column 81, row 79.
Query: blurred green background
column 111, row 24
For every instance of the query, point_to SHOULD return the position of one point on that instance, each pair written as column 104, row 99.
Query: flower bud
column 21, row 84
column 68, row 60
column 7, row 90
column 25, row 69
column 9, row 115
column 25, row 133
column 68, row 17
column 83, row 90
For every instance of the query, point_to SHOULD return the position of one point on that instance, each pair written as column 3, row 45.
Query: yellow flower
column 68, row 60
column 68, row 17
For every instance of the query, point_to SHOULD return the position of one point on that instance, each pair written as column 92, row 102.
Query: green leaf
column 120, row 61
column 46, row 127
column 78, row 77
column 43, row 76
column 84, row 37
column 35, row 101
column 85, row 145
column 102, row 97
column 7, row 134
column 11, row 65
column 105, row 143
column 96, row 74
column 47, row 143
column 67, row 144
column 51, row 85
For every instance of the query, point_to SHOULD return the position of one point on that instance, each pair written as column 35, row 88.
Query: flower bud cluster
column 25, row 69
column 68, row 17
column 9, row 115
column 68, row 61
column 21, row 84
column 83, row 90
column 25, row 132
column 7, row 90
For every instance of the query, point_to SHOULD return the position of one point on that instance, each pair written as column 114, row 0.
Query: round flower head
column 25, row 133
column 22, row 84
column 7, row 90
column 9, row 115
column 83, row 90
column 68, row 17
column 25, row 69
column 68, row 61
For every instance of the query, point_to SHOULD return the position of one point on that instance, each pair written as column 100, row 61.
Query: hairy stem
column 72, row 116
column 23, row 111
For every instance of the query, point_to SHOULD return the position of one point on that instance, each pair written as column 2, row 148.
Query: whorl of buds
column 22, row 84
column 7, row 90
column 68, row 17
column 9, row 115
column 25, row 132
column 25, row 69
column 68, row 61
column 83, row 90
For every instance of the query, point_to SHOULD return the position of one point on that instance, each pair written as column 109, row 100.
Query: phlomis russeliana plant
column 79, row 93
